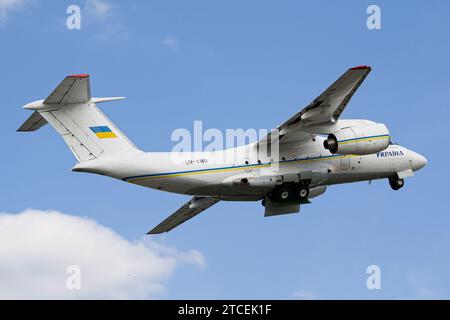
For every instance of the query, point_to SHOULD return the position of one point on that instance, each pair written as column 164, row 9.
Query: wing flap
column 189, row 210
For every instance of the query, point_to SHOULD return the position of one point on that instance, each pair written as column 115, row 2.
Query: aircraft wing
column 323, row 112
column 189, row 210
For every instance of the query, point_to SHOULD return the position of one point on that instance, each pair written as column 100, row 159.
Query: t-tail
column 71, row 111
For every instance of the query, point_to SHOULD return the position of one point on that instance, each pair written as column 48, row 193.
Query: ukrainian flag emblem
column 103, row 132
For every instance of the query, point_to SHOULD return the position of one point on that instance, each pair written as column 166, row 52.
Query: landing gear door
column 273, row 208
column 345, row 163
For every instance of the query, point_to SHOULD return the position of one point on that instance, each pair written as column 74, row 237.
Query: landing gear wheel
column 302, row 192
column 282, row 193
column 396, row 183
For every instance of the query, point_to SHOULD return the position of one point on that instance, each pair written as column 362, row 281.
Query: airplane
column 313, row 149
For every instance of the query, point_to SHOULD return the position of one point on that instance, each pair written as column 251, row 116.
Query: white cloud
column 99, row 8
column 38, row 246
column 170, row 42
column 102, row 14
column 305, row 295
column 7, row 5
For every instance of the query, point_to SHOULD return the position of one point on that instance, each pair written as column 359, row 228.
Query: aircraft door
column 345, row 163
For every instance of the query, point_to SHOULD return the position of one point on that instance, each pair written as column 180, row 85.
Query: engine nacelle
column 358, row 140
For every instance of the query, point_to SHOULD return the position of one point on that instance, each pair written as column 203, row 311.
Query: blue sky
column 243, row 64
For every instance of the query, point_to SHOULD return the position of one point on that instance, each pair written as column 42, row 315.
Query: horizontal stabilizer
column 99, row 100
column 33, row 123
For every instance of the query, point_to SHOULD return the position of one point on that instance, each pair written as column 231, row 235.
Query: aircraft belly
column 338, row 178
column 206, row 185
column 166, row 184
column 229, row 191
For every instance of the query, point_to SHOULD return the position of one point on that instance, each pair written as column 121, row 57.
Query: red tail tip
column 360, row 67
column 82, row 75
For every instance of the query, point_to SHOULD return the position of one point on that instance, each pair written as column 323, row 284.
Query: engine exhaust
column 331, row 143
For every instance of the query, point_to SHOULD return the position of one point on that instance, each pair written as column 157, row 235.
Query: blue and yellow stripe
column 135, row 179
column 378, row 137
column 103, row 132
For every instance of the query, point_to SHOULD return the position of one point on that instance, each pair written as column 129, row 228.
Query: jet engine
column 359, row 140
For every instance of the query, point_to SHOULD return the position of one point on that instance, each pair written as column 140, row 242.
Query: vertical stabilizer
column 71, row 111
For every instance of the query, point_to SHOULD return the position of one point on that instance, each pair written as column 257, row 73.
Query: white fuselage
column 215, row 173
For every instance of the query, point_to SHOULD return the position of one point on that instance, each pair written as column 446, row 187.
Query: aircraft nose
column 419, row 161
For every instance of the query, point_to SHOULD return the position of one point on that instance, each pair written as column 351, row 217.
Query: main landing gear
column 396, row 183
column 290, row 192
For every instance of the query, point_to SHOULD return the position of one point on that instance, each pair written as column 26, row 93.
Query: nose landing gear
column 396, row 183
